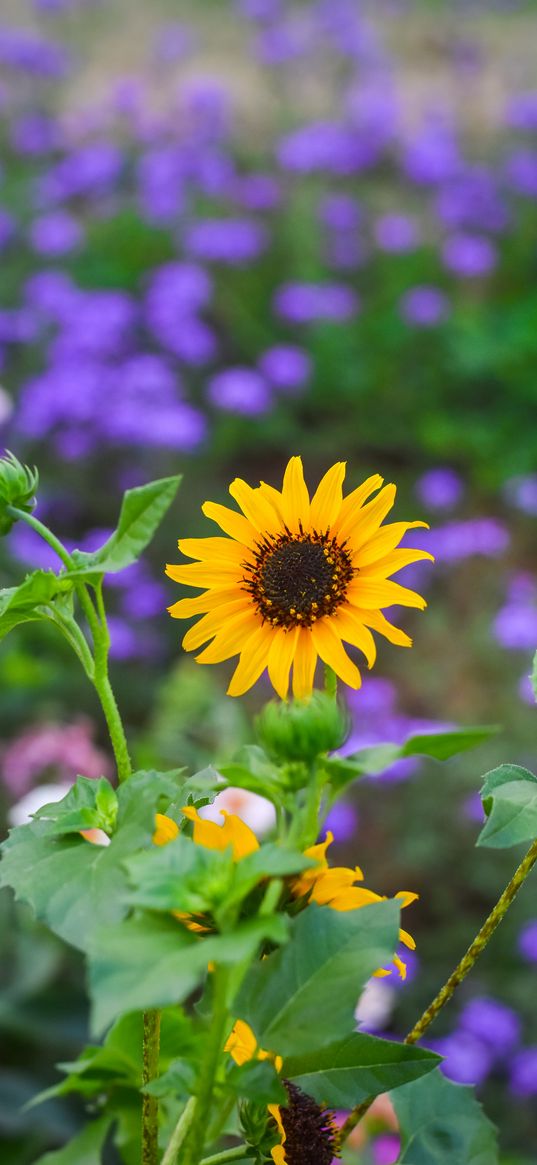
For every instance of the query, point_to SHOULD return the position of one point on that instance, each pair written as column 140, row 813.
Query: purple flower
column 397, row 233
column 283, row 41
column 339, row 212
column 29, row 53
column 160, row 178
column 440, row 489
column 8, row 227
column 467, row 1060
column 456, row 541
column 173, row 42
column 235, row 242
column 432, row 157
column 35, row 134
column 492, row 1022
column 524, row 1072
column 179, row 288
column 18, row 326
column 527, row 941
column 342, row 821
column 100, row 323
column 327, row 146
column 304, row 303
column 240, row 390
column 521, row 171
column 472, row 201
column 170, row 426
column 515, row 626
column 52, row 293
column 424, row 306
column 386, row 1149
column 56, row 233
column 469, row 255
column 257, row 191
column 472, row 809
column 90, row 171
column 521, row 111
column 286, row 367
column 522, row 492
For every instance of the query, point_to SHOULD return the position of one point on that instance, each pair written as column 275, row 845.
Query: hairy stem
column 462, row 969
column 150, row 1103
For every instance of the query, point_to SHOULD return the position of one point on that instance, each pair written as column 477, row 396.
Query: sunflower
column 306, row 1130
column 295, row 579
column 335, row 887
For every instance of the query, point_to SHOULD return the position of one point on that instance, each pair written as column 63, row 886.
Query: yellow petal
column 385, row 540
column 401, row 967
column 304, row 665
column 241, row 1043
column 252, row 662
column 231, row 639
column 255, row 506
column 200, row 574
column 232, row 523
column 407, row 939
column 280, row 658
column 295, row 497
column 233, row 833
column 211, row 550
column 375, row 593
column 213, row 621
column 165, row 829
column 393, row 562
column 407, row 897
column 274, row 497
column 330, row 648
column 378, row 622
column 351, row 505
column 208, row 601
column 367, row 520
column 354, row 898
column 327, row 500
column 350, row 627
column 240, row 836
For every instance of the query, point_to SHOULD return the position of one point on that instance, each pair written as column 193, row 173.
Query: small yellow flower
column 234, row 834
column 295, row 579
column 335, row 887
column 242, row 1046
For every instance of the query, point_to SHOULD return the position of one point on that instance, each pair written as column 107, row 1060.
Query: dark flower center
column 297, row 578
column 310, row 1134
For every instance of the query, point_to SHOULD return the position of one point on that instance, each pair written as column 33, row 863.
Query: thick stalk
column 213, row 1046
column 150, row 1103
column 462, row 969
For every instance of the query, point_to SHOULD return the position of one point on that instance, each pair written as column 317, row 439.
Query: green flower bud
column 302, row 729
column 18, row 485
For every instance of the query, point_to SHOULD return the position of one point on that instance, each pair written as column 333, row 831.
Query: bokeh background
column 231, row 232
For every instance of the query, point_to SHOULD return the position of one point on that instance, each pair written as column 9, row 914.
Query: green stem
column 213, row 1047
column 151, row 1045
column 240, row 1153
column 462, row 969
column 179, row 1133
column 43, row 532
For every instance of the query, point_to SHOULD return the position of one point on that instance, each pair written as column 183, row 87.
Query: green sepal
column 18, row 487
column 142, row 511
column 303, row 996
column 89, row 804
column 442, row 1123
column 343, row 1074
column 509, row 796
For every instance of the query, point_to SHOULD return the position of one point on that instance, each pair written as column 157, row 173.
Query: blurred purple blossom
column 521, row 111
column 424, row 306
column 385, row 1149
column 340, row 212
column 326, row 146
column 469, row 255
column 89, row 171
column 523, row 1080
column 56, row 233
column 527, row 941
column 457, row 540
column 472, row 201
column 522, row 492
column 467, row 1060
column 433, row 155
column 440, row 489
column 493, row 1022
column 173, row 42
column 342, row 821
column 397, row 233
column 515, row 625
column 286, row 367
column 521, row 171
column 35, row 133
column 304, row 303
column 256, row 191
column 235, row 242
column 240, row 390
column 8, row 227
column 30, row 53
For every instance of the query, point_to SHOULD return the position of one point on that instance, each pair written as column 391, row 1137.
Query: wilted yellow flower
column 295, row 579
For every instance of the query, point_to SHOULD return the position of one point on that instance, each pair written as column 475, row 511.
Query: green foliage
column 258, row 1081
column 252, row 769
column 442, row 1123
column 302, row 997
column 30, row 600
column 344, row 1073
column 142, row 511
column 369, row 762
column 85, row 1148
column 89, row 804
column 180, row 876
column 509, row 797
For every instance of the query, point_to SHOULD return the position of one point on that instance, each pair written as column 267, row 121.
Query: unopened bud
column 18, row 485
column 302, row 729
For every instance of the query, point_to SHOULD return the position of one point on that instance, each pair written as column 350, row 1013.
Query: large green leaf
column 509, row 797
column 345, row 1073
column 142, row 511
column 152, row 960
column 84, row 1149
column 180, row 876
column 369, row 762
column 303, row 996
column 443, row 1124
column 21, row 604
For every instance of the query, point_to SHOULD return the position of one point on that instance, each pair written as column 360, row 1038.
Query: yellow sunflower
column 295, row 579
column 335, row 887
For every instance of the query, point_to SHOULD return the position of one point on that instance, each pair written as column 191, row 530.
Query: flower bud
column 18, row 485
column 302, row 729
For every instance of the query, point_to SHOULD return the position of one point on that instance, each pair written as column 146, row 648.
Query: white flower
column 254, row 810
column 375, row 1005
column 22, row 812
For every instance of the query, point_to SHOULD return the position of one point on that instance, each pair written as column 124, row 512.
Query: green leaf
column 256, row 1080
column 269, row 861
column 369, row 762
column 84, row 1149
column 21, row 604
column 251, row 769
column 443, row 1123
column 89, row 804
column 509, row 797
column 303, row 996
column 178, row 1080
column 180, row 876
column 345, row 1073
column 443, row 745
column 142, row 511
column 152, row 961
